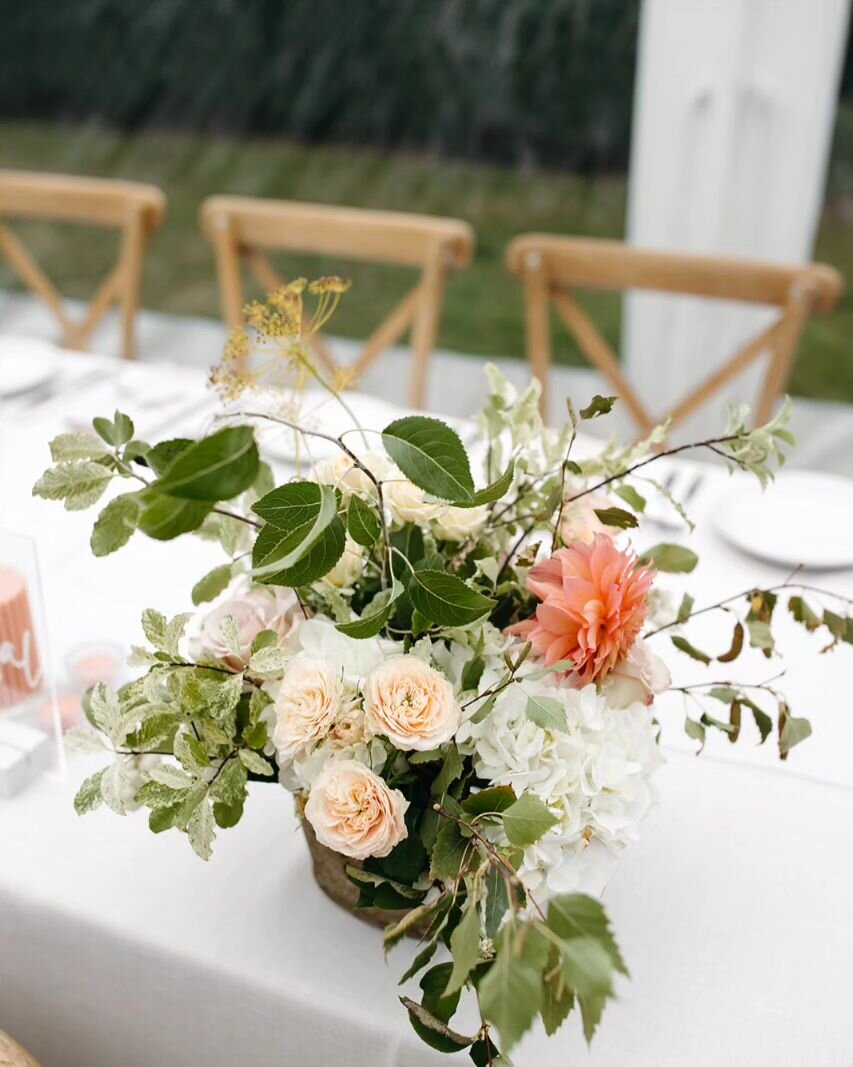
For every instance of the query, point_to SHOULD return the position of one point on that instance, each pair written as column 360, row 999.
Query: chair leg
column 425, row 328
column 130, row 272
column 799, row 306
column 537, row 328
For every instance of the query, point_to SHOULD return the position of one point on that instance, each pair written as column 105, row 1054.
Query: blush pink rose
column 352, row 810
column 593, row 606
column 259, row 608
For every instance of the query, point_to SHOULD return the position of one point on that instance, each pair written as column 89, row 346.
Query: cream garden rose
column 410, row 703
column 309, row 699
column 352, row 810
column 406, row 502
column 349, row 567
column 458, row 524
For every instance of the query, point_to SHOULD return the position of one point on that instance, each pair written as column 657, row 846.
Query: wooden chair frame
column 245, row 228
column 550, row 266
column 133, row 208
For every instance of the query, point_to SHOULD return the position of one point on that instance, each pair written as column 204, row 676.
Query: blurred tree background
column 512, row 114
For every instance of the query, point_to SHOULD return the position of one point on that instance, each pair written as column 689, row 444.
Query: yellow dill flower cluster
column 281, row 328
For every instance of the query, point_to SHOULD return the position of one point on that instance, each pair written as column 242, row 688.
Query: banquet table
column 118, row 947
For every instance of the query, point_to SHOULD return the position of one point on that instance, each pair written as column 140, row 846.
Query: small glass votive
column 93, row 662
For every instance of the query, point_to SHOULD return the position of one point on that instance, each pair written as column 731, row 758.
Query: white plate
column 25, row 365
column 802, row 518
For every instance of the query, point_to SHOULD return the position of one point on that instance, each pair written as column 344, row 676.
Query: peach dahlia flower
column 593, row 606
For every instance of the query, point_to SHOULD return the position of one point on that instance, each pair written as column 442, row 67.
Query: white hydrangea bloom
column 595, row 777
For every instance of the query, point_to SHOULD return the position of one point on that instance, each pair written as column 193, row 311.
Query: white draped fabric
column 121, row 948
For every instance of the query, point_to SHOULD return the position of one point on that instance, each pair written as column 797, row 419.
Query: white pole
column 733, row 115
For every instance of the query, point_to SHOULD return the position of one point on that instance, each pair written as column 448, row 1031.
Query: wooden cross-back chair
column 245, row 228
column 550, row 266
column 132, row 208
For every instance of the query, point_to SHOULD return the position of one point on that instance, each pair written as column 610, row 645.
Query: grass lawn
column 483, row 311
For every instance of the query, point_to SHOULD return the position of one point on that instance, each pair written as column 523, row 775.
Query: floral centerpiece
column 453, row 674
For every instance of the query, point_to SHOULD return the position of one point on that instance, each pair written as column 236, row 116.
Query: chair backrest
column 134, row 209
column 550, row 266
column 245, row 228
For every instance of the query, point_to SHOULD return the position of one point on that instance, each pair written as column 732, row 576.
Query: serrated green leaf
column 527, row 820
column 547, row 712
column 510, row 993
column 230, row 785
column 89, row 796
column 599, row 405
column 451, row 769
column 201, row 829
column 683, row 645
column 292, row 505
column 79, row 484
column 212, row 584
column 375, row 615
column 464, row 947
column 116, row 524
column 671, row 559
column 617, row 517
column 272, row 545
column 432, row 456
column 269, row 660
column 255, row 763
column 363, row 522
column 167, row 517
column 496, row 490
column 792, row 732
column 497, row 903
column 163, row 455
column 496, row 798
column 631, row 497
column 190, row 754
column 580, row 915
column 696, row 731
column 215, row 468
column 445, row 599
column 448, row 852
column 71, row 446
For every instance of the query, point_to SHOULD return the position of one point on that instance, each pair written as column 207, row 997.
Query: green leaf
column 212, row 584
column 293, row 505
column 190, row 754
column 115, row 525
column 495, row 799
column 363, row 522
column 547, row 712
column 79, row 484
column 89, row 794
column 273, row 545
column 696, row 731
column 310, row 532
column 472, row 673
column 631, row 497
column 683, row 645
column 161, row 457
column 432, row 456
column 557, row 998
column 685, row 608
column 671, row 559
column 375, row 615
column 432, row 1030
column 165, row 635
column 169, row 775
column 167, row 517
column 446, row 600
column 70, row 446
column 587, row 967
column 157, row 795
column 447, row 853
column 201, row 829
column 511, row 991
column 410, row 543
column 527, row 820
column 485, row 1053
column 617, row 517
column 497, row 902
column 269, row 660
column 497, row 489
column 464, row 947
column 217, row 467
column 255, row 763
column 580, row 915
column 599, row 405
column 451, row 769
column 760, row 635
column 803, row 614
column 116, row 432
column 792, row 732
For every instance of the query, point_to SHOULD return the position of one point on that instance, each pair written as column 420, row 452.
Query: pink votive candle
column 20, row 667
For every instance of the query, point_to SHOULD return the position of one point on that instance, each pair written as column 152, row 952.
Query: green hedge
column 538, row 81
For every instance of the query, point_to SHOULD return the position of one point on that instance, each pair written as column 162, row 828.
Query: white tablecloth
column 121, row 948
